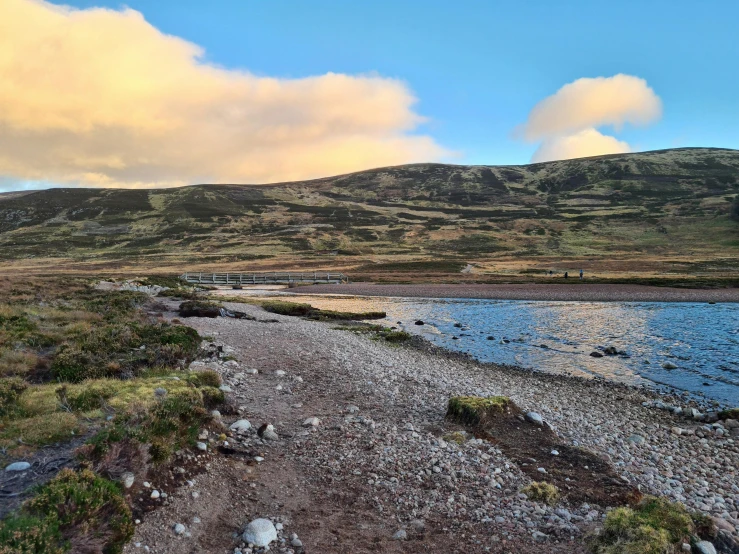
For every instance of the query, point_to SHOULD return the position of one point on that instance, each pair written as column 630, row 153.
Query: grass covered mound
column 542, row 492
column 477, row 410
column 653, row 526
column 74, row 512
column 306, row 310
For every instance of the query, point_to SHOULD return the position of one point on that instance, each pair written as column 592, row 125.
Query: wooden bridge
column 231, row 279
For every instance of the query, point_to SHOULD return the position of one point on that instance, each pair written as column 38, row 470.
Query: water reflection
column 700, row 340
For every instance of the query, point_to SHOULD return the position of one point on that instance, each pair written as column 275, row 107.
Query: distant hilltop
column 637, row 207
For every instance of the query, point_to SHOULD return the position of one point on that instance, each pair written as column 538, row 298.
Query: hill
column 649, row 214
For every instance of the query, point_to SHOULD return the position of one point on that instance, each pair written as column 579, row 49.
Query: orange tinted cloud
column 100, row 97
column 566, row 121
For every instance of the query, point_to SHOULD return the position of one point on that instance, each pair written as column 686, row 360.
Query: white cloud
column 588, row 142
column 102, row 98
column 566, row 121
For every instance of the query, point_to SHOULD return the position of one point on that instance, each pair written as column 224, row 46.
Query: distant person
column 551, row 272
column 581, row 274
column 567, row 275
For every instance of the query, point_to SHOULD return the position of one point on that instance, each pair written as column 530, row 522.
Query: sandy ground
column 378, row 462
column 577, row 291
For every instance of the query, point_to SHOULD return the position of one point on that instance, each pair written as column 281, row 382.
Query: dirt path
column 378, row 462
column 559, row 291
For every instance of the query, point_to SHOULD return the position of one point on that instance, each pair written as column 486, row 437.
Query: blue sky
column 478, row 68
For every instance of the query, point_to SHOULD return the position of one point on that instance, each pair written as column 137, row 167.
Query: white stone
column 280, row 373
column 534, row 418
column 225, row 388
column 312, row 422
column 179, row 529
column 260, row 532
column 18, row 466
column 127, row 479
column 240, row 426
column 400, row 535
column 555, row 453
column 251, row 371
column 705, row 547
column 201, row 446
column 155, row 494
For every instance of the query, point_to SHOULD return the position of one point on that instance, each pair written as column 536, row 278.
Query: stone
column 731, row 424
column 705, row 547
column 251, row 371
column 555, row 453
column 668, row 365
column 127, row 479
column 201, row 446
column 155, row 494
column 225, row 388
column 400, row 535
column 539, row 536
column 240, row 426
column 179, row 529
column 280, row 373
column 260, row 532
column 534, row 418
column 596, row 355
column 420, row 322
column 296, row 542
column 18, row 466
column 417, row 525
column 636, row 439
column 676, row 431
column 159, row 392
column 215, row 414
column 352, row 409
column 610, row 351
column 686, row 547
column 312, row 422
column 270, row 435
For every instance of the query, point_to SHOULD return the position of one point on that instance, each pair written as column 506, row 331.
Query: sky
column 158, row 93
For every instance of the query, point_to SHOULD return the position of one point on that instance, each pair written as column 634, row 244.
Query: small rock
column 240, row 426
column 312, row 422
column 296, row 542
column 420, row 322
column 159, row 392
column 280, row 373
column 18, row 466
column 225, row 388
column 705, row 547
column 196, row 519
column 179, row 529
column 668, row 365
column 260, row 532
column 636, row 439
column 251, row 371
column 534, row 418
column 417, row 525
column 539, row 536
column 155, row 494
column 215, row 414
column 201, row 446
column 400, row 535
column 686, row 547
column 555, row 452
column 596, row 355
column 127, row 479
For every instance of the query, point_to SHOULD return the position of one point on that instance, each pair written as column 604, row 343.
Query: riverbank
column 383, row 470
column 557, row 292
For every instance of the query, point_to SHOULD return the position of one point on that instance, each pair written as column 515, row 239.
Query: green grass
column 308, row 311
column 476, row 410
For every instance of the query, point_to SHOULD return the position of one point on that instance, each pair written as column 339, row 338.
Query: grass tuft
column 476, row 410
column 542, row 492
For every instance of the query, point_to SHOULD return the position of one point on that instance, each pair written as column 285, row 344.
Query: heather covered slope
column 649, row 213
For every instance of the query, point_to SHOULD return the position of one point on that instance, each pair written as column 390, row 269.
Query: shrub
column 542, row 492
column 92, row 398
column 396, row 336
column 212, row 397
column 207, row 378
column 113, row 305
column 10, row 389
column 23, row 534
column 653, row 526
column 476, row 410
column 16, row 362
column 86, row 508
column 73, row 365
column 732, row 413
column 199, row 308
column 288, row 308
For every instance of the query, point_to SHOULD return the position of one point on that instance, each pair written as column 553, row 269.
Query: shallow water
column 702, row 340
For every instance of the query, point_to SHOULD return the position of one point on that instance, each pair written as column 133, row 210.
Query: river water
column 700, row 340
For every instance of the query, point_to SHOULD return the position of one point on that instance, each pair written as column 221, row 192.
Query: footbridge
column 263, row 278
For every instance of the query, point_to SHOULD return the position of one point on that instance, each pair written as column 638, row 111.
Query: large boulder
column 260, row 532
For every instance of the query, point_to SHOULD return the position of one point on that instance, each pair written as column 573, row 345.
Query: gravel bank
column 377, row 473
column 577, row 291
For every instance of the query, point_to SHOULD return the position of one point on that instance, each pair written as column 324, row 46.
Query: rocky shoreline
column 381, row 469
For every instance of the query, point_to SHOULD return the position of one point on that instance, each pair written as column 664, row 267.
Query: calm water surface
column 701, row 340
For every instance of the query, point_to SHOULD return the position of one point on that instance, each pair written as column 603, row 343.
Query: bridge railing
column 263, row 278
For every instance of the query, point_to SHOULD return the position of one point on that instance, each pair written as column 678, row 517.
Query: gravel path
column 377, row 466
column 577, row 291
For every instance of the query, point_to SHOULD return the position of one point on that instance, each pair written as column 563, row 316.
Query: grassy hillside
column 656, row 213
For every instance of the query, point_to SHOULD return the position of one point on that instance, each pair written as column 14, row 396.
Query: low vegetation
column 542, row 492
column 476, row 410
column 653, row 526
column 77, row 511
column 308, row 311
column 79, row 363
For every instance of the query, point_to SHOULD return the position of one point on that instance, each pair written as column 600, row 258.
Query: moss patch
column 654, row 526
column 476, row 410
column 542, row 492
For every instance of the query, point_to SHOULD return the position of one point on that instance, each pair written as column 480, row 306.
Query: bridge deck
column 273, row 278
